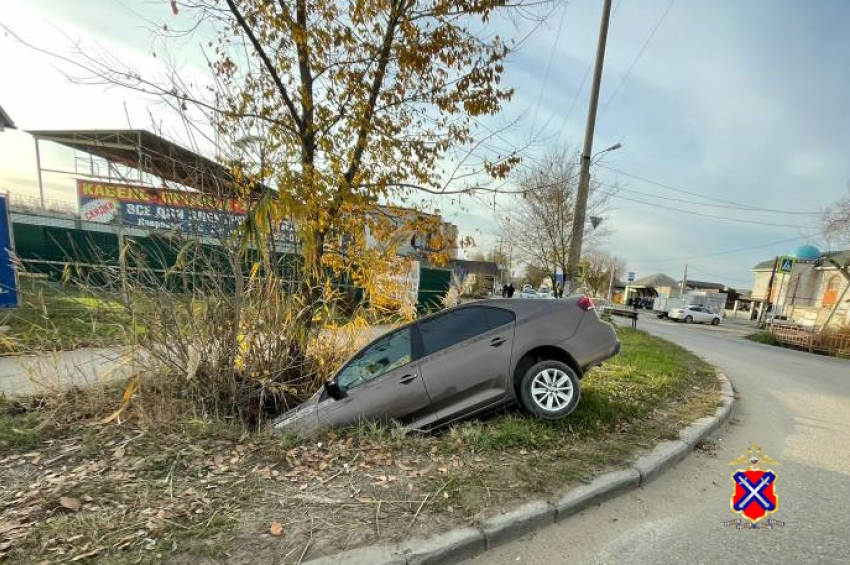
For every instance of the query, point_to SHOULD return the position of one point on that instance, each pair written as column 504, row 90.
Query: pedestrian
column 504, row 291
column 511, row 290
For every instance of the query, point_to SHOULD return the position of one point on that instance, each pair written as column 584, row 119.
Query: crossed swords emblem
column 754, row 491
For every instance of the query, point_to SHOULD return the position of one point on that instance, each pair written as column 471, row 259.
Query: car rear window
column 454, row 327
column 498, row 317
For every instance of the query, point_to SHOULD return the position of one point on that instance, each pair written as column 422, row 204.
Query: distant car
column 528, row 293
column 544, row 293
column 464, row 362
column 694, row 313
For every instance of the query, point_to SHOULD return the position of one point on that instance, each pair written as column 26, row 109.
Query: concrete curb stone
column 464, row 543
column 450, row 547
column 517, row 522
column 601, row 489
column 665, row 455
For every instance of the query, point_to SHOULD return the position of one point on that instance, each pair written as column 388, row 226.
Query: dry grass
column 185, row 490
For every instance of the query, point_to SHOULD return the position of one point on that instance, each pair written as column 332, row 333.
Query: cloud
column 742, row 101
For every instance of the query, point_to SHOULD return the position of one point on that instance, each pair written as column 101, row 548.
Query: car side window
column 390, row 352
column 454, row 327
column 496, row 317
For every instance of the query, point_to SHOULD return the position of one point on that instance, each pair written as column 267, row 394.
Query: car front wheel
column 715, row 322
column 550, row 390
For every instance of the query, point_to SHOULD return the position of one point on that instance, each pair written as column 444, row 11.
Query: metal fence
column 828, row 342
column 50, row 243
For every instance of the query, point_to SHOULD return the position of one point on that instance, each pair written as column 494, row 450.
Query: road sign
column 8, row 278
column 786, row 264
column 631, row 277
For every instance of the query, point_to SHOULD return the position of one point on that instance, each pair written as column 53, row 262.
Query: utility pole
column 577, row 233
column 500, row 259
column 767, row 299
column 684, row 282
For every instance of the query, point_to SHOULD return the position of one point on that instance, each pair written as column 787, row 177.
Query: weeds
column 765, row 336
column 185, row 486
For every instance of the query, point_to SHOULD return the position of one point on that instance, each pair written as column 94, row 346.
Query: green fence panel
column 434, row 283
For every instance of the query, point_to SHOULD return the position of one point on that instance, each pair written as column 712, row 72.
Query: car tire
column 715, row 321
column 689, row 319
column 546, row 394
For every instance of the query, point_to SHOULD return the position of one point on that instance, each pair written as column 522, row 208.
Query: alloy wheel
column 552, row 389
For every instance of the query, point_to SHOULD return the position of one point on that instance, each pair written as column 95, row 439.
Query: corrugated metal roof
column 138, row 148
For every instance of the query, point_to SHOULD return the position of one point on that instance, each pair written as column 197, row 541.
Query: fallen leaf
column 118, row 453
column 70, row 503
column 276, row 529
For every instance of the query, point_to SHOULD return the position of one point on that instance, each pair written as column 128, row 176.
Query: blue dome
column 805, row 253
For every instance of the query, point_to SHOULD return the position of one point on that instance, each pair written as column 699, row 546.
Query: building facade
column 811, row 291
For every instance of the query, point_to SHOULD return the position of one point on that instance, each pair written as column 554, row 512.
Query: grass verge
column 765, row 336
column 195, row 492
column 55, row 317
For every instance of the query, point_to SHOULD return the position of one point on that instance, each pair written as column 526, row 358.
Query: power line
column 548, row 69
column 580, row 86
column 744, row 207
column 637, row 57
column 717, row 253
column 710, row 274
column 683, row 211
column 738, row 208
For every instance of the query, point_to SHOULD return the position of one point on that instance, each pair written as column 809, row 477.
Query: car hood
column 304, row 418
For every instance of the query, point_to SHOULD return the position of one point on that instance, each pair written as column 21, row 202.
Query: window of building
column 830, row 292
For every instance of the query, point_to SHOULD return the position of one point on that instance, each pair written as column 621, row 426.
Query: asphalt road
column 793, row 404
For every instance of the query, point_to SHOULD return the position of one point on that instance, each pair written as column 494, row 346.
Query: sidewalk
column 28, row 374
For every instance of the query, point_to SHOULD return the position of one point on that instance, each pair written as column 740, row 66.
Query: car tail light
column 585, row 303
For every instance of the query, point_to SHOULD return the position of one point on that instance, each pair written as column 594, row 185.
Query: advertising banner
column 162, row 209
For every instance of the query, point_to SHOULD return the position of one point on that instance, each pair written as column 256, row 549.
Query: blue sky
column 742, row 102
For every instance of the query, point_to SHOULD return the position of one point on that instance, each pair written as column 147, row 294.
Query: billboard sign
column 163, row 209
column 8, row 277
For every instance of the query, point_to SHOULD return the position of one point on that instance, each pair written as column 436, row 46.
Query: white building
column 811, row 291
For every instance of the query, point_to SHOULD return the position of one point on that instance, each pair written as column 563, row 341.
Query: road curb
column 464, row 543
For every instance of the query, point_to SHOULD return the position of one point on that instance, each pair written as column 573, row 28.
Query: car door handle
column 407, row 379
column 497, row 341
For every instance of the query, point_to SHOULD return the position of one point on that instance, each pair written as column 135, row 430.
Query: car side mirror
column 334, row 390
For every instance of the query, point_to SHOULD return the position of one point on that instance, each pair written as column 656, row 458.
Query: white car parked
column 694, row 313
column 528, row 293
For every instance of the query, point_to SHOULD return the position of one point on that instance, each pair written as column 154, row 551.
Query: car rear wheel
column 550, row 390
column 689, row 319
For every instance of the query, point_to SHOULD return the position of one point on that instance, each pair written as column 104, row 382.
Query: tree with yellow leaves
column 359, row 102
